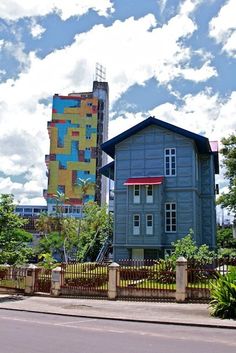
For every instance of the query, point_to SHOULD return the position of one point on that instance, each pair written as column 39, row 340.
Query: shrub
column 223, row 296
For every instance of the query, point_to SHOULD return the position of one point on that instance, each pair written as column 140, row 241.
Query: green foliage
column 63, row 237
column 52, row 244
column 227, row 252
column 223, row 296
column 229, row 161
column 14, row 241
column 187, row 248
column 95, row 227
column 225, row 238
column 60, row 234
column 47, row 261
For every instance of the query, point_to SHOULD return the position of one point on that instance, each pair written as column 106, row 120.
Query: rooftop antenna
column 100, row 73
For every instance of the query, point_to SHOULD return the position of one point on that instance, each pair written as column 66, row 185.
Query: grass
column 18, row 283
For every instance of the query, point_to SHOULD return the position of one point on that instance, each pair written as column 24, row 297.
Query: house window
column 149, row 224
column 149, row 194
column 170, row 162
column 136, row 224
column 136, row 193
column 88, row 137
column 170, row 217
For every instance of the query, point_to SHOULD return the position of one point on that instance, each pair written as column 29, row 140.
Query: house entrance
column 137, row 254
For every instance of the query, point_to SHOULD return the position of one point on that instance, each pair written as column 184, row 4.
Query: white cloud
column 132, row 55
column 124, row 122
column 8, row 187
column 199, row 75
column 16, row 9
column 2, row 72
column 36, row 29
column 223, row 27
column 162, row 4
column 16, row 50
column 189, row 6
column 203, row 113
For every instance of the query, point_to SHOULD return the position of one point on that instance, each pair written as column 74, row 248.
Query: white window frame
column 149, row 224
column 149, row 198
column 170, row 160
column 136, row 224
column 170, row 217
column 136, row 193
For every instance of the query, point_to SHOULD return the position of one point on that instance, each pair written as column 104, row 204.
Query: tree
column 60, row 234
column 44, row 224
column 83, row 185
column 228, row 152
column 225, row 238
column 96, row 225
column 14, row 241
column 187, row 248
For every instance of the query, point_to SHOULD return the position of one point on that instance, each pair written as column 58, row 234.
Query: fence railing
column 201, row 275
column 142, row 280
column 43, row 279
column 12, row 278
column 147, row 279
column 84, row 279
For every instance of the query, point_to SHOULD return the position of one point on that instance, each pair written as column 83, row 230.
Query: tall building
column 78, row 127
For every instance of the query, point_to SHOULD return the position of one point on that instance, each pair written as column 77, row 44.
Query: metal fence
column 84, row 279
column 43, row 278
column 203, row 274
column 147, row 280
column 12, row 278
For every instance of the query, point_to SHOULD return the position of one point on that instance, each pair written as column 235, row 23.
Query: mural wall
column 73, row 147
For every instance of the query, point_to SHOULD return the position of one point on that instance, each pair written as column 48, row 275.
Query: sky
column 172, row 59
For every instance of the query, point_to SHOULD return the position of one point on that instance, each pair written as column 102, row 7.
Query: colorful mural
column 73, row 147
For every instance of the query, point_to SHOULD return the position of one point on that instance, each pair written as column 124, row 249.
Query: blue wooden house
column 164, row 185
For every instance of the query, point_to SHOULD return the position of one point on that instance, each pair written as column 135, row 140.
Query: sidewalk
column 154, row 312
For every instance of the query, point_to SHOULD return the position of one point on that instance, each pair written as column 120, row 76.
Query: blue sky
column 174, row 59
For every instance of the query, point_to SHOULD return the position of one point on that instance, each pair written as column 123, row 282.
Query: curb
column 160, row 322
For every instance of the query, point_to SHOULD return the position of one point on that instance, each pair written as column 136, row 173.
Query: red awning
column 144, row 181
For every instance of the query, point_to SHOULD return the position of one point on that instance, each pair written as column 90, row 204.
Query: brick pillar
column 181, row 279
column 114, row 278
column 30, row 279
column 56, row 281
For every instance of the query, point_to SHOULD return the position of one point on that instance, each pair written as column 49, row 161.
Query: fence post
column 30, row 279
column 114, row 277
column 56, row 281
column 181, row 279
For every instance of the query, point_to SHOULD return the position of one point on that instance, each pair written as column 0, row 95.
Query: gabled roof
column 202, row 142
column 108, row 170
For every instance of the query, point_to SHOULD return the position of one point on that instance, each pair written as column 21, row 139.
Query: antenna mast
column 100, row 75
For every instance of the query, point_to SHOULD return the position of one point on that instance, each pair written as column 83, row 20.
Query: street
column 22, row 332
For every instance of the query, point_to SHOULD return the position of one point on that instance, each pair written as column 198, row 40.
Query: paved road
column 39, row 333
